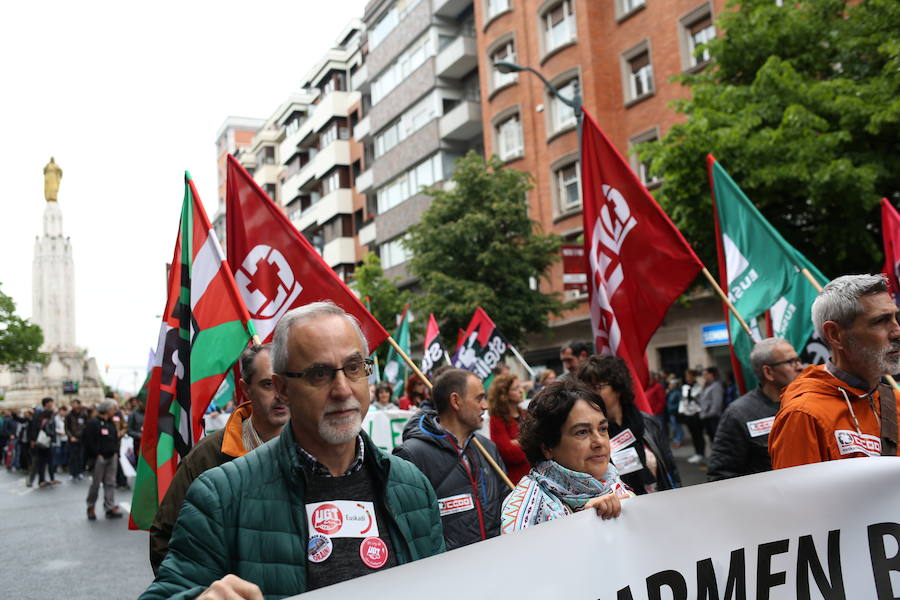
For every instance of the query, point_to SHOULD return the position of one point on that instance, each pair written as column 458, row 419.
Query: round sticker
column 327, row 519
column 373, row 551
column 319, row 548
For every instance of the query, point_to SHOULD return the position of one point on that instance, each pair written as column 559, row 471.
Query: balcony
column 335, row 104
column 366, row 233
column 338, row 202
column 362, row 129
column 458, row 58
column 450, row 8
column 364, row 181
column 339, row 251
column 360, row 80
column 462, row 123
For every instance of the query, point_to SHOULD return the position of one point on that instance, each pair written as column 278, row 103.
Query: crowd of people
column 49, row 440
column 292, row 495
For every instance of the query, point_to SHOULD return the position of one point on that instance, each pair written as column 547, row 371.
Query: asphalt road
column 48, row 548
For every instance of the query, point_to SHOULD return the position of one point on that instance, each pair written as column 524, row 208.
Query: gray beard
column 886, row 365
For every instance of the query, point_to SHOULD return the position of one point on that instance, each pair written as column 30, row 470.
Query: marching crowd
column 291, row 495
column 47, row 441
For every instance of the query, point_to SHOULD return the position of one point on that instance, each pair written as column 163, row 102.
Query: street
column 50, row 550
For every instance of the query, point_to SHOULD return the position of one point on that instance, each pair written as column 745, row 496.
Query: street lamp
column 574, row 102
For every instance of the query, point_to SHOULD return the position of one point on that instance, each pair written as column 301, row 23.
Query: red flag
column 890, row 233
column 638, row 262
column 276, row 268
column 434, row 349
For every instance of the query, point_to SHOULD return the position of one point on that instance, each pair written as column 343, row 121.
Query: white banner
column 829, row 530
column 385, row 427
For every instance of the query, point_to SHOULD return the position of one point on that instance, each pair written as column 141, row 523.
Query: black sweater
column 100, row 438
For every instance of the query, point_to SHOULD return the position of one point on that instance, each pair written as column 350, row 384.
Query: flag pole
column 727, row 302
column 427, row 382
column 818, row 288
column 522, row 360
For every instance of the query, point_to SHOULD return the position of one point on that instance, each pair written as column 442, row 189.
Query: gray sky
column 126, row 98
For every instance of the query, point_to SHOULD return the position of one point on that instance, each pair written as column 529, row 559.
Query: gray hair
column 761, row 355
column 105, row 406
column 248, row 360
column 305, row 313
column 839, row 300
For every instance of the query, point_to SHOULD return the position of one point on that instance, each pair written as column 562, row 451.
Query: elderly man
column 319, row 504
column 741, row 445
column 101, row 444
column 251, row 424
column 843, row 409
column 441, row 446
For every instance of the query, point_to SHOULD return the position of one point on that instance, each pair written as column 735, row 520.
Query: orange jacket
column 815, row 425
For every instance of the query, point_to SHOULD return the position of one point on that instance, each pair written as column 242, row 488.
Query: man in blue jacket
column 319, row 504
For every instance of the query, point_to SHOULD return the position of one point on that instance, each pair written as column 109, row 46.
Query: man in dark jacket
column 318, row 505
column 741, row 446
column 441, row 445
column 42, row 422
column 75, row 423
column 101, row 445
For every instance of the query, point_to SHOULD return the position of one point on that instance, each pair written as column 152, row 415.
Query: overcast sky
column 127, row 97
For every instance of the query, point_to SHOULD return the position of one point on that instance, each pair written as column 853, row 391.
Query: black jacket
column 645, row 428
column 469, row 491
column 735, row 451
column 100, row 438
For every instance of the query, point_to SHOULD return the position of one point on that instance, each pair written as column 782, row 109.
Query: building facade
column 234, row 134
column 620, row 54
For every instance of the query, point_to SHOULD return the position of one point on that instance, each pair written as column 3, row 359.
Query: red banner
column 638, row 261
column 276, row 268
column 890, row 233
column 574, row 275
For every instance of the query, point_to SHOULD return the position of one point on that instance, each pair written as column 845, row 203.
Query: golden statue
column 52, row 175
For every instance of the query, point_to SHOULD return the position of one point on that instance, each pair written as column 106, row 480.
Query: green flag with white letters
column 760, row 272
column 395, row 368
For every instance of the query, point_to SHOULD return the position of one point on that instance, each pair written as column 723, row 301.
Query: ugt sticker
column 342, row 519
column 373, row 551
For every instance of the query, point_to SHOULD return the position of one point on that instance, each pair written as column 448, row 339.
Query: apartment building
column 234, row 134
column 421, row 105
column 621, row 53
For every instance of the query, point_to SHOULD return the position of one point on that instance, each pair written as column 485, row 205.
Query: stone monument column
column 53, row 278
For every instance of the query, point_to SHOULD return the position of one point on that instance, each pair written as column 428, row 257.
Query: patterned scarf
column 550, row 491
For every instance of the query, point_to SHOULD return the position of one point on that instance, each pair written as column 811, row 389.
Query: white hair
column 839, row 300
column 304, row 313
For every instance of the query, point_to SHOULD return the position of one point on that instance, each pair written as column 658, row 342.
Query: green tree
column 476, row 246
column 801, row 104
column 386, row 300
column 19, row 340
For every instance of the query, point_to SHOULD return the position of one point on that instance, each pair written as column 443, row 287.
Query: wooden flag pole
column 818, row 288
column 727, row 302
column 427, row 382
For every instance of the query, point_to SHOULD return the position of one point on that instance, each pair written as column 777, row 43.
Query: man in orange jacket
column 843, row 409
column 250, row 425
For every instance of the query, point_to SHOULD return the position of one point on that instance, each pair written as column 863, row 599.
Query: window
column 505, row 53
column 266, row 156
column 409, row 183
column 495, row 7
column 637, row 73
column 401, row 68
column 558, row 23
column 696, row 29
column 380, row 30
column 561, row 114
column 640, row 168
column 568, row 187
column 394, row 253
column 626, row 7
column 294, row 122
column 409, row 122
column 509, row 138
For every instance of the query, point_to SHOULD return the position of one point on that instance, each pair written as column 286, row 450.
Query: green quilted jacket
column 247, row 517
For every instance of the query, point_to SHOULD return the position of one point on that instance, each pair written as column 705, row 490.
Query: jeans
column 677, row 430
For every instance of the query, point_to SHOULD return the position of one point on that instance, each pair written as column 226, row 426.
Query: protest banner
column 385, row 427
column 828, row 530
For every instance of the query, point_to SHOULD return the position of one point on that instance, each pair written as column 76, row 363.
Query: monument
column 68, row 372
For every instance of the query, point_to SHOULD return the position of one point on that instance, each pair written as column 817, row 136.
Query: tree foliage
column 801, row 105
column 477, row 246
column 385, row 300
column 20, row 340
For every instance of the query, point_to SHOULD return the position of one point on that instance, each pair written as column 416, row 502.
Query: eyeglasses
column 319, row 375
column 794, row 362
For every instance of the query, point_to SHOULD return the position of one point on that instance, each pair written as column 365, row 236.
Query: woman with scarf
column 640, row 448
column 566, row 439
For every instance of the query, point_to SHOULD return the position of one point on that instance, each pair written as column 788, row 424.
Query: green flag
column 395, row 368
column 761, row 272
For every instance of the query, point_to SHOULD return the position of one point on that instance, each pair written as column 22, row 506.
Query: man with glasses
column 741, row 445
column 844, row 408
column 318, row 505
